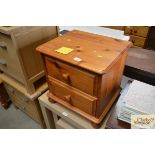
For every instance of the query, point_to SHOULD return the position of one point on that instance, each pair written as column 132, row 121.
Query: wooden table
column 140, row 65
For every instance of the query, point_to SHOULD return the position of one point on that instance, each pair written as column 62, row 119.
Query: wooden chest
column 18, row 57
column 87, row 79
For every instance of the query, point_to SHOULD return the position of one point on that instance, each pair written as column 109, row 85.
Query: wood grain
column 77, row 78
column 97, row 53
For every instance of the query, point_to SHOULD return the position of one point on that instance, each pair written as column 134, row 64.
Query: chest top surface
column 90, row 51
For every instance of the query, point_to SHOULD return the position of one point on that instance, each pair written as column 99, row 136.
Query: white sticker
column 65, row 114
column 77, row 59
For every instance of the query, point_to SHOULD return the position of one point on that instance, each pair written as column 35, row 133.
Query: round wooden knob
column 135, row 31
column 65, row 76
column 67, row 98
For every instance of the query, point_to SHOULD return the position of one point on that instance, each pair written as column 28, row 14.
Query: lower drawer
column 72, row 96
column 24, row 103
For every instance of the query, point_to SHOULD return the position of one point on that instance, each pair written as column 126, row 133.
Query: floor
column 16, row 119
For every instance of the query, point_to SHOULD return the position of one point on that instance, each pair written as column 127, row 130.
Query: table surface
column 141, row 59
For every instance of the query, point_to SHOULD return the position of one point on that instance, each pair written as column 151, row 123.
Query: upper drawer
column 72, row 97
column 141, row 31
column 77, row 78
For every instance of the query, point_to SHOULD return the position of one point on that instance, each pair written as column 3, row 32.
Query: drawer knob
column 67, row 98
column 65, row 76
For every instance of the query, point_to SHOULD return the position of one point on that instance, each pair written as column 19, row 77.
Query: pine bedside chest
column 84, row 71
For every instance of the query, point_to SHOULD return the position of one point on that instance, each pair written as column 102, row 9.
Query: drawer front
column 9, row 62
column 74, row 77
column 137, row 41
column 141, row 31
column 23, row 103
column 72, row 96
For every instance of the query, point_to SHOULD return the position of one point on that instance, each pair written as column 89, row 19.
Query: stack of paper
column 139, row 100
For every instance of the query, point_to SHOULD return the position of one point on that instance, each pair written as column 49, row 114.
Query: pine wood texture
column 97, row 52
column 90, row 86
column 17, row 49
